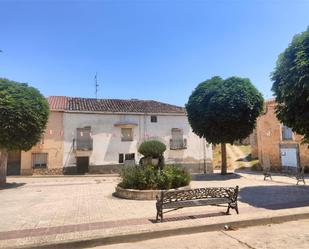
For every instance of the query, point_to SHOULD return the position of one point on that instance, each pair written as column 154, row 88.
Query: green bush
column 136, row 177
column 152, row 148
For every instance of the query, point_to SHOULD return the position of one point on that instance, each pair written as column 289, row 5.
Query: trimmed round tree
column 291, row 85
column 223, row 111
column 153, row 149
column 23, row 115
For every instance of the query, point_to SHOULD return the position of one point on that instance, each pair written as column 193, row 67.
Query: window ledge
column 182, row 148
column 125, row 125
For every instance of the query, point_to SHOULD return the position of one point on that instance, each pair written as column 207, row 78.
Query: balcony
column 178, row 144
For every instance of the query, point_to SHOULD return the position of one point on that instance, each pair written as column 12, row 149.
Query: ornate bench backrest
column 198, row 193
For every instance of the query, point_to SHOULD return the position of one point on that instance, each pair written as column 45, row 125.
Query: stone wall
column 55, row 171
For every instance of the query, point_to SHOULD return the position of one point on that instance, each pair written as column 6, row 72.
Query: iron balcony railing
column 85, row 145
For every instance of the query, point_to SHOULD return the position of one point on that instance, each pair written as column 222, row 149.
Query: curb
column 140, row 236
column 64, row 176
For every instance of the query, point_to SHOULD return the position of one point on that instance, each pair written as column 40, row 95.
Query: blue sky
column 145, row 49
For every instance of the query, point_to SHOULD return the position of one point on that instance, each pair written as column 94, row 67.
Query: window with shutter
column 177, row 142
column 39, row 160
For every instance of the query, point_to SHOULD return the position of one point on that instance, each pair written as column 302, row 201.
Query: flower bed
column 135, row 194
column 145, row 183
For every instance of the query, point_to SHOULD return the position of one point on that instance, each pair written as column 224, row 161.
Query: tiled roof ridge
column 83, row 104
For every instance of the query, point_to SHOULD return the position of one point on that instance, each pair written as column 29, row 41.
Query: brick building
column 277, row 145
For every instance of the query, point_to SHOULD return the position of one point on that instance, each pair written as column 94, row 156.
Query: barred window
column 130, row 156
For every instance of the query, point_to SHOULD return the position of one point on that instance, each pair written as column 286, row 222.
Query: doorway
column 289, row 156
column 82, row 164
column 13, row 163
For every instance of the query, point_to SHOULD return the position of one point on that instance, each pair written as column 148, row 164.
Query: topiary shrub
column 152, row 148
column 143, row 178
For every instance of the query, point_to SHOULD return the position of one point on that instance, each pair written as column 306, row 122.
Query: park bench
column 298, row 172
column 177, row 199
column 300, row 175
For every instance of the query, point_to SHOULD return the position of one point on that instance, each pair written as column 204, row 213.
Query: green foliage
column 291, row 85
column 149, row 177
column 152, row 148
column 23, row 114
column 223, row 111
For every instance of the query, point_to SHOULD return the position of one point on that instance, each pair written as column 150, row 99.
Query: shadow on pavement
column 248, row 171
column 214, row 177
column 275, row 197
column 11, row 185
column 273, row 173
column 190, row 217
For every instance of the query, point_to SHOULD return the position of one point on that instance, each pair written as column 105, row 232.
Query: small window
column 39, row 160
column 127, row 134
column 126, row 157
column 287, row 133
column 154, row 119
column 130, row 156
column 120, row 158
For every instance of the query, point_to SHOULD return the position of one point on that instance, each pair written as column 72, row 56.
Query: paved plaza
column 293, row 234
column 40, row 209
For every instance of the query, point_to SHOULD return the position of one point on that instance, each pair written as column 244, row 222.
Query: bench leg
column 301, row 180
column 228, row 210
column 159, row 215
column 267, row 175
column 236, row 208
column 233, row 206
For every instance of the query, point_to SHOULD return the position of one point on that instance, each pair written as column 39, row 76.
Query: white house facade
column 102, row 135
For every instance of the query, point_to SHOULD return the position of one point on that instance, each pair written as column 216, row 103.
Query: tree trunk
column 3, row 165
column 223, row 159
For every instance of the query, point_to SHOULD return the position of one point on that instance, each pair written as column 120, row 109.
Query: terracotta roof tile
column 57, row 102
column 111, row 105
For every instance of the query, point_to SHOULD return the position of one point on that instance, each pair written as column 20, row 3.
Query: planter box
column 135, row 194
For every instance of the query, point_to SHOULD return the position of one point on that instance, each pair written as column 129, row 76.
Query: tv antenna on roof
column 96, row 85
